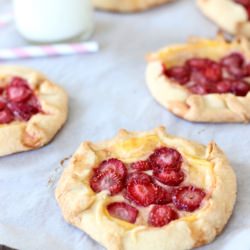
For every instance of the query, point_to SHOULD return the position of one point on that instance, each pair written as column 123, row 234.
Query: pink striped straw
column 5, row 19
column 49, row 50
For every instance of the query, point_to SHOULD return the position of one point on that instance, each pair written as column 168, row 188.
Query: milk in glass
column 49, row 21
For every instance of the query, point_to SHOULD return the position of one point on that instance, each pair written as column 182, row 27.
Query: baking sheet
column 107, row 92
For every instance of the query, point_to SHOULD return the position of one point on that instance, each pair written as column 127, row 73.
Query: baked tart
column 203, row 80
column 147, row 191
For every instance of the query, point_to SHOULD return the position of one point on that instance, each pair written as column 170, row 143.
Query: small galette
column 203, row 80
column 32, row 109
column 148, row 190
column 232, row 16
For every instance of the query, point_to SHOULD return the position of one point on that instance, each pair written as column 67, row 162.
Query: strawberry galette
column 32, row 109
column 127, row 5
column 203, row 80
column 231, row 15
column 147, row 191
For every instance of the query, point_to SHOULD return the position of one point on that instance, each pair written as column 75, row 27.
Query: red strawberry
column 166, row 158
column 108, row 180
column 236, row 72
column 240, row 87
column 234, row 59
column 213, row 72
column 6, row 116
column 169, row 177
column 22, row 111
column 179, row 73
column 141, row 165
column 161, row 215
column 33, row 101
column 1, row 90
column 198, row 63
column 18, row 90
column 139, row 177
column 140, row 190
column 199, row 89
column 224, row 86
column 188, row 198
column 163, row 196
column 115, row 165
column 123, row 211
column 2, row 104
column 247, row 70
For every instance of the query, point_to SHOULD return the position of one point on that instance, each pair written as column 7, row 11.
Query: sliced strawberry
column 6, row 116
column 236, row 72
column 140, row 191
column 213, row 72
column 2, row 103
column 166, row 158
column 234, row 59
column 163, row 196
column 141, row 165
column 108, row 180
column 198, row 78
column 198, row 63
column 161, row 215
column 18, row 90
column 22, row 111
column 248, row 11
column 199, row 89
column 179, row 73
column 188, row 198
column 240, row 87
column 138, row 177
column 224, row 86
column 247, row 70
column 113, row 164
column 33, row 101
column 1, row 90
column 169, row 177
column 123, row 211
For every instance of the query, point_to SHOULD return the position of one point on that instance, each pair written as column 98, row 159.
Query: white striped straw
column 5, row 19
column 49, row 50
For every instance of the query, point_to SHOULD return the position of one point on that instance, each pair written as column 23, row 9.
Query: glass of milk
column 48, row 21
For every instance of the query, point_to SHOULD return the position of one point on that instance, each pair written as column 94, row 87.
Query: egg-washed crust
column 86, row 210
column 41, row 128
column 179, row 100
column 127, row 5
column 227, row 14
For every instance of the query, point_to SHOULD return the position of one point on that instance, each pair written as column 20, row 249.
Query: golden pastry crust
column 208, row 168
column 179, row 100
column 41, row 128
column 227, row 14
column 127, row 5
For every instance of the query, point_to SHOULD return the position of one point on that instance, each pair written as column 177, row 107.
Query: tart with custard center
column 32, row 109
column 203, row 80
column 148, row 191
